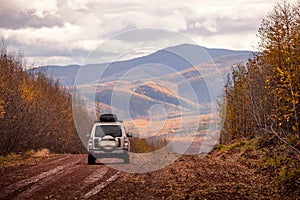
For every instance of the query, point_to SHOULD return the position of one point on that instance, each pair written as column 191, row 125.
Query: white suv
column 108, row 139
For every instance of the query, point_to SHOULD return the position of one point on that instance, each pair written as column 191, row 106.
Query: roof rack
column 108, row 118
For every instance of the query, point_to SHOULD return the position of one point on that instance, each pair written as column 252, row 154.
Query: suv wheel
column 91, row 159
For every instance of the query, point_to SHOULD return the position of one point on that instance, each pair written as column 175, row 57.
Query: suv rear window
column 113, row 130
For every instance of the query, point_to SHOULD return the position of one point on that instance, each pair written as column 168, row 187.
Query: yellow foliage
column 281, row 73
column 28, row 92
column 2, row 111
column 287, row 117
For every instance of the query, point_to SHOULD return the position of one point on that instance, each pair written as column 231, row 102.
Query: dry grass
column 42, row 153
column 28, row 158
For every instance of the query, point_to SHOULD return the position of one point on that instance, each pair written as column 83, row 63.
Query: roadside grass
column 284, row 165
column 245, row 144
column 277, row 161
column 30, row 157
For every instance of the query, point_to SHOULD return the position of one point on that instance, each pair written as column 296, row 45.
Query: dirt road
column 229, row 175
column 224, row 176
column 65, row 177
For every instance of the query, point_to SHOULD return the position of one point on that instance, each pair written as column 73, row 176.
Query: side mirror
column 129, row 134
column 88, row 135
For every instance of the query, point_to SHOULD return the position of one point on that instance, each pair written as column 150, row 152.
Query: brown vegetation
column 263, row 97
column 35, row 112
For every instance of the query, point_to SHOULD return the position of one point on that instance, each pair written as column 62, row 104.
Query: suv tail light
column 90, row 144
column 118, row 142
column 126, row 144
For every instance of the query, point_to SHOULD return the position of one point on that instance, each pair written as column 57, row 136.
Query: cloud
column 27, row 19
column 59, row 29
column 220, row 26
column 44, row 35
column 18, row 14
column 35, row 7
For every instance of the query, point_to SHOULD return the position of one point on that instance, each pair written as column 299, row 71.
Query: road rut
column 66, row 177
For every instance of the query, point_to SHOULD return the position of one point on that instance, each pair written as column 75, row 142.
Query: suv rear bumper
column 119, row 153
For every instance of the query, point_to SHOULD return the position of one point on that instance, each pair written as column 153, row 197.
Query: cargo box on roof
column 108, row 118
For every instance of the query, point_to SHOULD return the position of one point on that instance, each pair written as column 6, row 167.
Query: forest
column 262, row 97
column 35, row 111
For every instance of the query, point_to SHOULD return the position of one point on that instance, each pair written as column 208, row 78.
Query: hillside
column 138, row 104
column 176, row 72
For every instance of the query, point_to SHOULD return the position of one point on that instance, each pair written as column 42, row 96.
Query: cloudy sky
column 66, row 31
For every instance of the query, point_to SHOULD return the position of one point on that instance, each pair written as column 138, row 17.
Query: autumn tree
column 262, row 97
column 35, row 111
column 280, row 46
column 264, row 94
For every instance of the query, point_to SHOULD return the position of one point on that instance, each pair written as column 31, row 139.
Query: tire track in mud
column 102, row 185
column 67, row 177
column 95, row 176
column 48, row 180
column 76, row 184
column 18, row 173
column 48, row 163
column 22, row 184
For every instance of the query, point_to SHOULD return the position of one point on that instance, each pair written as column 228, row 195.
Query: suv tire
column 91, row 159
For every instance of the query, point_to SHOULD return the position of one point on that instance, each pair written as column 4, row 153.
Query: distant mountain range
column 223, row 57
column 158, row 78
